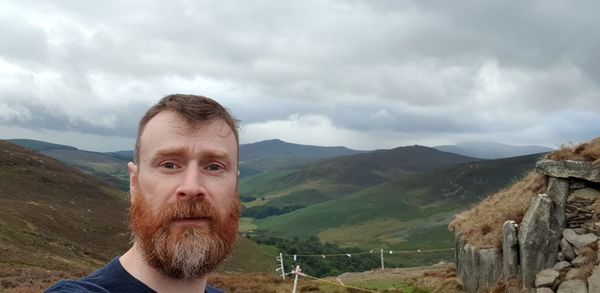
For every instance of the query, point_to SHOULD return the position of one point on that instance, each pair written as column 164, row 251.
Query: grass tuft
column 481, row 226
column 589, row 152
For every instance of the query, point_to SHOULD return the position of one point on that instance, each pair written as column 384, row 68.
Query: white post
column 281, row 265
column 382, row 267
column 296, row 272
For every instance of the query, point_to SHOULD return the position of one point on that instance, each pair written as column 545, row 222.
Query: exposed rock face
column 510, row 250
column 539, row 238
column 568, row 168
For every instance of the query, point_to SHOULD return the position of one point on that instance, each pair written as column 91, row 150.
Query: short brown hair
column 194, row 109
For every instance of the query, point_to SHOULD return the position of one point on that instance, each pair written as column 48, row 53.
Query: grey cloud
column 404, row 66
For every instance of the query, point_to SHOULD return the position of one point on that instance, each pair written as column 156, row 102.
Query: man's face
column 185, row 207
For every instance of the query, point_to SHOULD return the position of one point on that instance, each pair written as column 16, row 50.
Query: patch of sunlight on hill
column 246, row 225
column 392, row 233
column 271, row 195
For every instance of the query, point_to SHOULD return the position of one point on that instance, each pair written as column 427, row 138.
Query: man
column 184, row 202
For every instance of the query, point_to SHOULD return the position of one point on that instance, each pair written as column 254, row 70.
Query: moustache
column 191, row 209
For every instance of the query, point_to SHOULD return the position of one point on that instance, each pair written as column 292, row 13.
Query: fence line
column 370, row 252
column 298, row 272
column 381, row 252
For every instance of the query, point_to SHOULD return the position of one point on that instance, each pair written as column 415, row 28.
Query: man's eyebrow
column 180, row 151
column 170, row 151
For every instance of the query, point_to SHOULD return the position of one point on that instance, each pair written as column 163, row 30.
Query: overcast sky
column 363, row 74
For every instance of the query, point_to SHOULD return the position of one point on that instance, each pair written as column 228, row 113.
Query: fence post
column 381, row 251
column 296, row 272
column 281, row 265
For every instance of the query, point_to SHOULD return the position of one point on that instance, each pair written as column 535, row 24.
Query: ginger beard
column 188, row 252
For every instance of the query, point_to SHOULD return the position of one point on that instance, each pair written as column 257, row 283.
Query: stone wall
column 555, row 247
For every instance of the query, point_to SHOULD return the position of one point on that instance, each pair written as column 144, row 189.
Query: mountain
column 58, row 222
column 276, row 154
column 38, row 145
column 407, row 212
column 492, row 150
column 335, row 177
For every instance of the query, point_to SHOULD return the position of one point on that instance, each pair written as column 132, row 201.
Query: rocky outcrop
column 565, row 169
column 555, row 246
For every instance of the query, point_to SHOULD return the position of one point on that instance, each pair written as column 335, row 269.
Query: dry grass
column 589, row 151
column 481, row 226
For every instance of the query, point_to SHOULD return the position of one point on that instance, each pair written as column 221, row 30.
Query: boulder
column 544, row 290
column 490, row 267
column 581, row 260
column 579, row 241
column 586, row 194
column 539, row 238
column 562, row 266
column 574, row 273
column 594, row 280
column 546, row 278
column 569, row 168
column 558, row 190
column 510, row 250
column 567, row 250
column 573, row 286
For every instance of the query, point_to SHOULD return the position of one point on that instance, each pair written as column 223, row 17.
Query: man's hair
column 193, row 109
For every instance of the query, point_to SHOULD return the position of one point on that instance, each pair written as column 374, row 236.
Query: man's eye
column 214, row 167
column 169, row 165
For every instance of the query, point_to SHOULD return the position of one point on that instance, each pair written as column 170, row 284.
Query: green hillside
column 57, row 222
column 337, row 177
column 411, row 211
column 109, row 168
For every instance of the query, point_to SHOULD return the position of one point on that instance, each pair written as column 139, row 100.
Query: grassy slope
column 409, row 212
column 110, row 169
column 53, row 216
column 57, row 222
column 338, row 177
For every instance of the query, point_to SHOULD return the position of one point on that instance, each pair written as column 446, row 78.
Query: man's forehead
column 169, row 125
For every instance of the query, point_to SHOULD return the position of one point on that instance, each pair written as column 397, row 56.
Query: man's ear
column 133, row 173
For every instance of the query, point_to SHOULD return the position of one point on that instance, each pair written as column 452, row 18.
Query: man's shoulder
column 110, row 278
column 75, row 286
column 210, row 289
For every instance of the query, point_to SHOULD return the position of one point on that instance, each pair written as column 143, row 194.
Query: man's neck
column 133, row 262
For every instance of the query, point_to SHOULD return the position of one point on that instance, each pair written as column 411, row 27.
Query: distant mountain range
column 492, row 150
column 397, row 198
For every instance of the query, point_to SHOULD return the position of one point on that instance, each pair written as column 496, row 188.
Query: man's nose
column 192, row 183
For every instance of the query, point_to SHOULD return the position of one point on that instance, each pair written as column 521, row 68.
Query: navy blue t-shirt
column 108, row 279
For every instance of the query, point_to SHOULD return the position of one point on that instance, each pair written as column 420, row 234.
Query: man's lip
column 192, row 221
